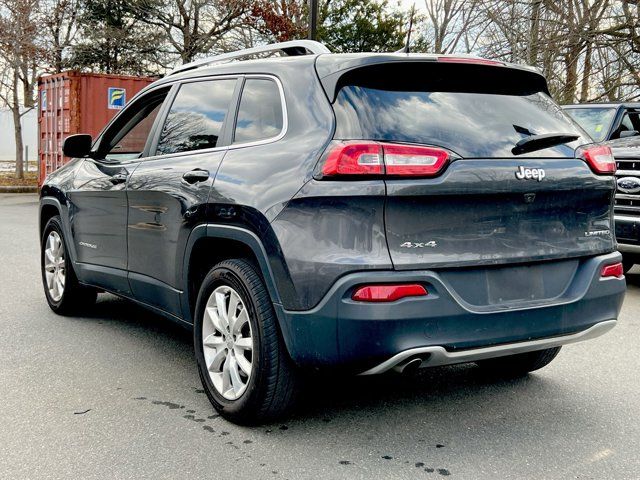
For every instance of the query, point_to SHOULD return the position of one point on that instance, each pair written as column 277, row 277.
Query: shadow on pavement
column 330, row 395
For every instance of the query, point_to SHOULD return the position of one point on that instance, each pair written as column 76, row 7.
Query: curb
column 19, row 189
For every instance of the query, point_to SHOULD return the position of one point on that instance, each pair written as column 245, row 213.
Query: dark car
column 607, row 121
column 355, row 213
column 618, row 126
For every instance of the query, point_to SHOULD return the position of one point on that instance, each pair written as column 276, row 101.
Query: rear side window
column 196, row 117
column 260, row 112
column 475, row 111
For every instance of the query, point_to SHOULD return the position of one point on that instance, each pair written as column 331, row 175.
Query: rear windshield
column 470, row 115
column 595, row 121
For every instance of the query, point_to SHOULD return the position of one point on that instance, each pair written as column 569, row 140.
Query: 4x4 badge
column 524, row 173
column 431, row 244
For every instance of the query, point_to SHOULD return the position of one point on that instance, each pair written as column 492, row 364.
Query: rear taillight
column 388, row 293
column 375, row 158
column 599, row 158
column 614, row 270
column 353, row 158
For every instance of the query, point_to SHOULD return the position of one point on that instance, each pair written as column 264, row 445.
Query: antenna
column 413, row 11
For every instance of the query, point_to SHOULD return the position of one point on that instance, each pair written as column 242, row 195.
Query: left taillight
column 388, row 159
column 599, row 157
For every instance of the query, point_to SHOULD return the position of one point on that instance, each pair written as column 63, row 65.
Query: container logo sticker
column 116, row 98
column 43, row 100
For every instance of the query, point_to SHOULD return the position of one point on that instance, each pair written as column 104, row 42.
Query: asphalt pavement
column 115, row 395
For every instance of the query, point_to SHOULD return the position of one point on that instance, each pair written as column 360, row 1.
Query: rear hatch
column 490, row 203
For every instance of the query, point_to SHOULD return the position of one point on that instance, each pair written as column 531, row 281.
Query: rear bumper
column 363, row 336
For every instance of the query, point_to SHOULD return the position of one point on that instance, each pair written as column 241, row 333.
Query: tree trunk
column 534, row 33
column 584, row 89
column 17, row 126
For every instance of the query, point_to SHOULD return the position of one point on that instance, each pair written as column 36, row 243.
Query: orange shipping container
column 74, row 102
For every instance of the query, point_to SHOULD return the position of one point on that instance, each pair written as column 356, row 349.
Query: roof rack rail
column 292, row 48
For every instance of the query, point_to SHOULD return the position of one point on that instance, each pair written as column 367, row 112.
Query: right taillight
column 379, row 158
column 599, row 157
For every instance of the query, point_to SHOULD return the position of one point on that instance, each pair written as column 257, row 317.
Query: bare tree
column 60, row 21
column 20, row 57
column 193, row 27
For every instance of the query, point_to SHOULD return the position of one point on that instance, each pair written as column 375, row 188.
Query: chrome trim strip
column 437, row 356
column 233, row 146
column 628, row 218
column 626, row 248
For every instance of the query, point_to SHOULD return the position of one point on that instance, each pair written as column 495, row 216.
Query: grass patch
column 8, row 179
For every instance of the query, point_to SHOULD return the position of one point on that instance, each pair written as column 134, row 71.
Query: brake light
column 599, row 157
column 376, row 158
column 472, row 60
column 388, row 293
column 614, row 270
column 353, row 158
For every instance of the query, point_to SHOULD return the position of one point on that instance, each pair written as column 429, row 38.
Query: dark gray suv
column 355, row 212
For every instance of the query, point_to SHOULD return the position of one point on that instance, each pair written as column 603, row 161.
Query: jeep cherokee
column 356, row 212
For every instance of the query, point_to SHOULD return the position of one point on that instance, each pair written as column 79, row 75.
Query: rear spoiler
column 337, row 70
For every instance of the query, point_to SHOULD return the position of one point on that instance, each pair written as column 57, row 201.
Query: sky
column 408, row 3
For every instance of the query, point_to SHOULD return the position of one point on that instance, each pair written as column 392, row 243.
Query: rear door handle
column 118, row 178
column 196, row 175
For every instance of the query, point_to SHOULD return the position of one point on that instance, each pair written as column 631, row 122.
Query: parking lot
column 115, row 394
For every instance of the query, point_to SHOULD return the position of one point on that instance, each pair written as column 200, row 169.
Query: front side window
column 127, row 138
column 260, row 112
column 630, row 123
column 197, row 116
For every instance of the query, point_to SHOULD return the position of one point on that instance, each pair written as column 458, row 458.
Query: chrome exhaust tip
column 410, row 366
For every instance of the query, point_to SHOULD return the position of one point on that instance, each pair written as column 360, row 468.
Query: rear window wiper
column 545, row 140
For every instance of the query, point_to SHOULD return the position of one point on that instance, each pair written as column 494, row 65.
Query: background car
column 618, row 125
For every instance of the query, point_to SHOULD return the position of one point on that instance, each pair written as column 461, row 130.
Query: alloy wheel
column 227, row 342
column 54, row 266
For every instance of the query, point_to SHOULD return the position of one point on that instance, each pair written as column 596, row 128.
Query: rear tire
column 520, row 364
column 65, row 295
column 243, row 363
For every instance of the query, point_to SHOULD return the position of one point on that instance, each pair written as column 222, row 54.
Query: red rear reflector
column 599, row 157
column 614, row 270
column 478, row 61
column 388, row 293
column 354, row 158
column 377, row 158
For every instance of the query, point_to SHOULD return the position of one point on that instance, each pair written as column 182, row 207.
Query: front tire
column 520, row 364
column 245, row 369
column 64, row 293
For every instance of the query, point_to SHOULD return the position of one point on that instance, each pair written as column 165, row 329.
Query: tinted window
column 595, row 121
column 260, row 112
column 128, row 136
column 196, row 117
column 459, row 110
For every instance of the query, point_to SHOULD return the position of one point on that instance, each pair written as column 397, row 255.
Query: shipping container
column 74, row 102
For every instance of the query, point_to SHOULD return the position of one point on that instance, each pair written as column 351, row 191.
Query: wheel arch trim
column 64, row 218
column 228, row 232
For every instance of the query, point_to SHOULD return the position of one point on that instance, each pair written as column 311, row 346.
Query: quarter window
column 260, row 113
column 197, row 117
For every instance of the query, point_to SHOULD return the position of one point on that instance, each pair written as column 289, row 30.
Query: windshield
column 595, row 121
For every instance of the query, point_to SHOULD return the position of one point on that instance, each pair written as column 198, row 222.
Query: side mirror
column 629, row 133
column 77, row 146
